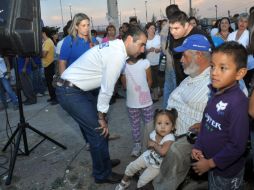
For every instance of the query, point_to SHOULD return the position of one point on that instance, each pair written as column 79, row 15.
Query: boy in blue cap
column 221, row 143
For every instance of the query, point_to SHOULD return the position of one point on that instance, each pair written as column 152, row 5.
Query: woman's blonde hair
column 75, row 22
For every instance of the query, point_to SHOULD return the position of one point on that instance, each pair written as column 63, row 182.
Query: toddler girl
column 158, row 145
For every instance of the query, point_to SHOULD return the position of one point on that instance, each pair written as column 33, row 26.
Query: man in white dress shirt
column 86, row 87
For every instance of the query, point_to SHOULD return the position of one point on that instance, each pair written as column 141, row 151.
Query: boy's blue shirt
column 225, row 130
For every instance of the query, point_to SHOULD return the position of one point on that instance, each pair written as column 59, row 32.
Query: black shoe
column 115, row 162
column 112, row 179
column 54, row 102
column 50, row 100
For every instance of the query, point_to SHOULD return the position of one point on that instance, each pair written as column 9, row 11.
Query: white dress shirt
column 189, row 99
column 100, row 66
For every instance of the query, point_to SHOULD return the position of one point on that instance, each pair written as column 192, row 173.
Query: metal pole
column 120, row 18
column 135, row 12
column 61, row 12
column 92, row 22
column 146, row 10
column 216, row 11
column 190, row 9
column 70, row 11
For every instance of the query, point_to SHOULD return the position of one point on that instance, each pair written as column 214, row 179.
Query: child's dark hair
column 236, row 50
column 172, row 114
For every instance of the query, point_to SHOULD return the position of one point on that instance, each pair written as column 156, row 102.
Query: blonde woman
column 77, row 42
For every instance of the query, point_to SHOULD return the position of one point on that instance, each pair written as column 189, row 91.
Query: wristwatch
column 101, row 116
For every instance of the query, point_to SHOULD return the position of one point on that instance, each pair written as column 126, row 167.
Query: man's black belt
column 66, row 83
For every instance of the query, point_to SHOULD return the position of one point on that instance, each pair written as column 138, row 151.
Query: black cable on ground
column 73, row 158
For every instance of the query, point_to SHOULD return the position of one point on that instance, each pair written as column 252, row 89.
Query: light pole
column 134, row 11
column 70, row 11
column 216, row 11
column 92, row 22
column 190, row 9
column 146, row 10
column 61, row 12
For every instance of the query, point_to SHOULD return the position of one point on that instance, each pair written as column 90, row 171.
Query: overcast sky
column 51, row 11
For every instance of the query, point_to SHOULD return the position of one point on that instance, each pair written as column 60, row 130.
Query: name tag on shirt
column 102, row 45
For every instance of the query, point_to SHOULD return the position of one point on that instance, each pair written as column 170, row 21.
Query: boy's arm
column 149, row 77
column 161, row 149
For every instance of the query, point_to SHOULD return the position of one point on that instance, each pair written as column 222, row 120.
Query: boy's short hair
column 236, row 50
column 178, row 16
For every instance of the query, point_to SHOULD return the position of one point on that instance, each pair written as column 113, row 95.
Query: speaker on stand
column 20, row 34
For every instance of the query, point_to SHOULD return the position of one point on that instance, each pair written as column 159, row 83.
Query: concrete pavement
column 51, row 167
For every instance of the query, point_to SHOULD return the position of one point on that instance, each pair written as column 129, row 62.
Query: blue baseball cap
column 196, row 42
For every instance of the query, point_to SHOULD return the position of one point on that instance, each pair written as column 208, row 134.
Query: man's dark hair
column 178, row 16
column 251, row 9
column 134, row 31
column 236, row 50
column 171, row 9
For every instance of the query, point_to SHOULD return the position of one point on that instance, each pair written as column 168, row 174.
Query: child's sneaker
column 123, row 185
column 136, row 150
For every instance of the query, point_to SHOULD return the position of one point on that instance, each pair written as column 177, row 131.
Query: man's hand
column 103, row 127
column 195, row 127
column 203, row 165
column 103, row 124
column 196, row 154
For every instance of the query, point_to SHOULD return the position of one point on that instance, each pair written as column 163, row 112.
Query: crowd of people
column 206, row 87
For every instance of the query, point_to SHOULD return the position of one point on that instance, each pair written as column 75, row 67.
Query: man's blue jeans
column 7, row 87
column 169, row 85
column 82, row 107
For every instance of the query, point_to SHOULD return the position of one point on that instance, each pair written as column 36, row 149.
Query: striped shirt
column 190, row 99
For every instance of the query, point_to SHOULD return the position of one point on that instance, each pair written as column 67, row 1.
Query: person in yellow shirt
column 48, row 50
